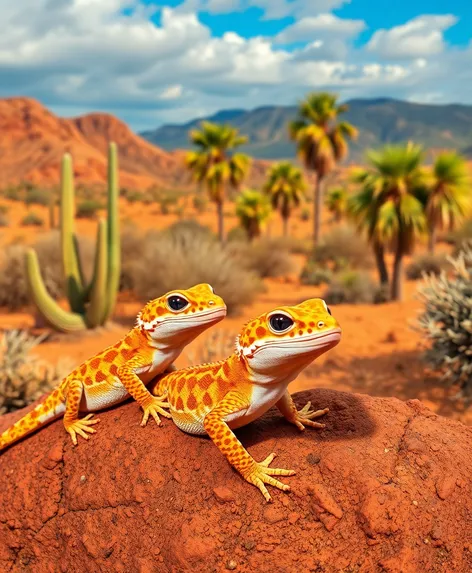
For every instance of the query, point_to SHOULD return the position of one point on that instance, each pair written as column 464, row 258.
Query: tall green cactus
column 92, row 304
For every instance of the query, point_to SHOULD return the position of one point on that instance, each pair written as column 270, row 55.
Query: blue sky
column 167, row 61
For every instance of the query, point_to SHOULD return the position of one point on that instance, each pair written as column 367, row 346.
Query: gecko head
column 288, row 338
column 179, row 316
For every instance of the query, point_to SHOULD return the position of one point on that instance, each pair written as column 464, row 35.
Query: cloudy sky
column 151, row 62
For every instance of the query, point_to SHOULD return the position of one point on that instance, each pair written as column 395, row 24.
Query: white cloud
column 420, row 37
column 321, row 26
column 87, row 55
column 172, row 92
column 273, row 9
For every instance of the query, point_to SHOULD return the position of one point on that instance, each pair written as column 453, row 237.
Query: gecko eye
column 280, row 322
column 177, row 302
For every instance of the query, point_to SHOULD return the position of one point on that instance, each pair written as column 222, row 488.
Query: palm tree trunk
column 380, row 262
column 285, row 225
column 221, row 221
column 432, row 239
column 397, row 278
column 317, row 210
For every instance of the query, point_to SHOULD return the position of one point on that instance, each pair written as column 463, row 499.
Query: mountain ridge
column 379, row 120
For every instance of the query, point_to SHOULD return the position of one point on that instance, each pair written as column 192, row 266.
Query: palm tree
column 214, row 164
column 336, row 202
column 321, row 141
column 253, row 209
column 449, row 199
column 390, row 205
column 286, row 188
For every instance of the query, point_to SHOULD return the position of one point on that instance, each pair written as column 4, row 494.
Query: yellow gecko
column 271, row 351
column 163, row 328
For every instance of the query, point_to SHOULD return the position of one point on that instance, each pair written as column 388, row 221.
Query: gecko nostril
column 320, row 324
column 211, row 302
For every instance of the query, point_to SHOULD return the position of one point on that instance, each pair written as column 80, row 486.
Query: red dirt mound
column 34, row 140
column 386, row 487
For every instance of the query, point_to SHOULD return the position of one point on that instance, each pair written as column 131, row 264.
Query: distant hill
column 34, row 140
column 380, row 121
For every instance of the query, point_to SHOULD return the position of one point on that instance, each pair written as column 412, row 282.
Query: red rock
column 50, row 520
column 223, row 494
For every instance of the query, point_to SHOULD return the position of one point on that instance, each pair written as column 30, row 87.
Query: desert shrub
column 132, row 245
column 237, row 234
column 343, row 248
column 313, row 275
column 180, row 211
column 352, row 287
column 13, row 286
column 88, row 209
column 186, row 254
column 185, row 229
column 24, row 377
column 200, row 204
column 32, row 220
column 14, row 194
column 429, row 263
column 265, row 257
column 298, row 246
column 133, row 196
column 461, row 235
column 305, row 214
column 38, row 197
column 446, row 321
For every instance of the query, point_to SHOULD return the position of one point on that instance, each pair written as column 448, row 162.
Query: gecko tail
column 46, row 411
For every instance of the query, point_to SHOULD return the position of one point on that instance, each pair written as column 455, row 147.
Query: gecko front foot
column 260, row 473
column 304, row 417
column 154, row 407
column 80, row 427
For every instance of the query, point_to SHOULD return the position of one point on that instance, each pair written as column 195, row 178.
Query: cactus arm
column 73, row 279
column 47, row 306
column 114, row 250
column 98, row 285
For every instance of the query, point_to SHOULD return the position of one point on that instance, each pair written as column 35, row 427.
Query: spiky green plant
column 92, row 304
column 215, row 165
column 286, row 188
column 253, row 210
column 449, row 200
column 336, row 202
column 447, row 321
column 390, row 206
column 322, row 141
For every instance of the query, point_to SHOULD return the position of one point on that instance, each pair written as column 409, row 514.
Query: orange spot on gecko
column 113, row 369
column 179, row 404
column 100, row 376
column 110, row 356
column 88, row 382
column 83, row 369
column 207, row 399
column 261, row 331
column 191, row 402
column 95, row 363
